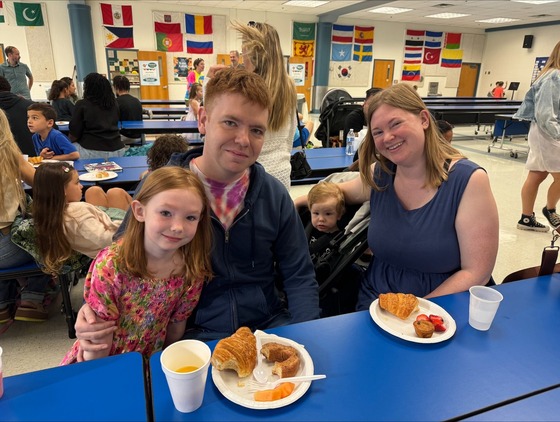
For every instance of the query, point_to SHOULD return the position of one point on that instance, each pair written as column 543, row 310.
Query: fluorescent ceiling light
column 447, row 15
column 535, row 1
column 498, row 20
column 302, row 3
column 389, row 10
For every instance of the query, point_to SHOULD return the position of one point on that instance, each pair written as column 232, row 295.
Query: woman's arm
column 91, row 332
column 175, row 332
column 477, row 229
column 27, row 171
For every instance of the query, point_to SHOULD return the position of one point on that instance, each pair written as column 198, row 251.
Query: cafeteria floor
column 33, row 346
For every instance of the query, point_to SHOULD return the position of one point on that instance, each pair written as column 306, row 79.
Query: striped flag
column 452, row 41
column 451, row 58
column 2, row 17
column 198, row 25
column 363, row 53
column 342, row 33
column 363, row 34
column 412, row 55
column 411, row 72
column 116, row 15
column 414, row 38
column 118, row 37
column 168, row 28
column 433, row 39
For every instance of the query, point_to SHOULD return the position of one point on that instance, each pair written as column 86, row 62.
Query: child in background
column 498, row 91
column 326, row 204
column 63, row 224
column 151, row 280
column 162, row 150
column 49, row 143
column 445, row 129
column 306, row 129
column 58, row 96
column 72, row 96
column 195, row 98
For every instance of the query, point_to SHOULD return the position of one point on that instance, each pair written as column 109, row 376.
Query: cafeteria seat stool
column 66, row 281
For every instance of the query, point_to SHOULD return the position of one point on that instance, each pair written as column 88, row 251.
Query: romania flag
column 198, row 25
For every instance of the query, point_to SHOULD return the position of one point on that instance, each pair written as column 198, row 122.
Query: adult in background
column 95, row 124
column 356, row 119
column 434, row 220
column 234, row 59
column 18, row 74
column 15, row 107
column 130, row 108
column 498, row 91
column 258, row 238
column 195, row 75
column 542, row 107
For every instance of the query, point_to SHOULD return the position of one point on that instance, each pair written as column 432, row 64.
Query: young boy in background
column 49, row 143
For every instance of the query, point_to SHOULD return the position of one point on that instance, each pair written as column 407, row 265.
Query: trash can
column 302, row 106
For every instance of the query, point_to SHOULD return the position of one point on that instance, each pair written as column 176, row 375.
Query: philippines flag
column 198, row 25
column 342, row 33
column 115, row 15
column 117, row 37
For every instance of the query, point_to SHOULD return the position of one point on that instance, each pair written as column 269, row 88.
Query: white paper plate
column 404, row 328
column 91, row 177
column 234, row 388
column 62, row 122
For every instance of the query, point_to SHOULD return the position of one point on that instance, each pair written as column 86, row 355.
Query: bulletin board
column 539, row 64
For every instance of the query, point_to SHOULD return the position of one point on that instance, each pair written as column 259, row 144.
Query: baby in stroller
column 335, row 246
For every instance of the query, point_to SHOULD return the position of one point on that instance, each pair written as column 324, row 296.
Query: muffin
column 424, row 329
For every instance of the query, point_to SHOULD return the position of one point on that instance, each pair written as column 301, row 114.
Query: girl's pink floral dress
column 143, row 307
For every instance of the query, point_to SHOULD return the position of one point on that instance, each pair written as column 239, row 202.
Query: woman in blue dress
column 434, row 221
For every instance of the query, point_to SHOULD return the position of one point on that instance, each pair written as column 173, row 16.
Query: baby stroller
column 336, row 272
column 336, row 105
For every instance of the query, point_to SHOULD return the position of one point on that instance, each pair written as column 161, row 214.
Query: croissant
column 237, row 352
column 398, row 304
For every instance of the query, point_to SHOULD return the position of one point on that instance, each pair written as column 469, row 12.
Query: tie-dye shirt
column 226, row 200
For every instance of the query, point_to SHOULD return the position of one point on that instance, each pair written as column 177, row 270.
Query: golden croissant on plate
column 398, row 304
column 237, row 352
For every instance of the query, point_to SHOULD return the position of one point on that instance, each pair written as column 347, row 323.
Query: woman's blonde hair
column 261, row 44
column 196, row 254
column 10, row 173
column 437, row 150
column 553, row 61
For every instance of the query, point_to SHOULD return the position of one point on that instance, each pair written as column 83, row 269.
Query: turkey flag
column 431, row 55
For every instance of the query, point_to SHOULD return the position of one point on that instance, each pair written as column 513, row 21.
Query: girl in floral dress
column 150, row 281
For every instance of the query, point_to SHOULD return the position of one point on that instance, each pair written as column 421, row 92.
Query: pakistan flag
column 29, row 14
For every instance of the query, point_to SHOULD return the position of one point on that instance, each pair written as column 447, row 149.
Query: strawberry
column 436, row 319
column 422, row 317
column 440, row 327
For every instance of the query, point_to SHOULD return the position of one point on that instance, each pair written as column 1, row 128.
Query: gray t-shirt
column 17, row 77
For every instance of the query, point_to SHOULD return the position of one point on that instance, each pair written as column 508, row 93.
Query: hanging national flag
column 118, row 37
column 303, row 39
column 303, row 48
column 414, row 38
column 413, row 55
column 433, row 39
column 363, row 53
column 169, row 31
column 341, row 52
column 200, row 47
column 342, row 34
column 431, row 55
column 2, row 18
column 29, row 14
column 411, row 72
column 451, row 58
column 363, row 34
column 199, row 34
column 452, row 41
column 116, row 15
column 169, row 42
column 198, row 25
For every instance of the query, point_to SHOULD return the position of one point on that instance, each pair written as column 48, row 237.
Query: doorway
column 303, row 86
column 468, row 80
column 383, row 71
column 159, row 91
